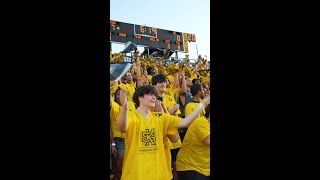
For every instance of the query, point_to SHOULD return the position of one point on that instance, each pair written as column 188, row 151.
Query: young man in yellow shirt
column 197, row 93
column 193, row 160
column 159, row 81
column 144, row 135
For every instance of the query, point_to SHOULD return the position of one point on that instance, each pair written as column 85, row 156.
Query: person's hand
column 183, row 75
column 206, row 100
column 174, row 109
column 164, row 108
column 136, row 54
column 114, row 151
column 158, row 107
column 112, row 83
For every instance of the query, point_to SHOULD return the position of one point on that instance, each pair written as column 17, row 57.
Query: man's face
column 135, row 75
column 161, row 87
column 129, row 77
column 123, row 78
column 148, row 100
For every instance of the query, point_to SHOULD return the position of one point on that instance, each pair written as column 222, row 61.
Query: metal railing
column 192, row 61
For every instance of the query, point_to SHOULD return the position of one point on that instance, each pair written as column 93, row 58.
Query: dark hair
column 194, row 80
column 150, row 70
column 159, row 78
column 141, row 91
column 195, row 88
column 207, row 111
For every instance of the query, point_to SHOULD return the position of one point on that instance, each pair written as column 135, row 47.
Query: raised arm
column 138, row 72
column 183, row 88
column 123, row 116
column 189, row 119
column 112, row 83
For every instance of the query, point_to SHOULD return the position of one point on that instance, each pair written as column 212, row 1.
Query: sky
column 189, row 16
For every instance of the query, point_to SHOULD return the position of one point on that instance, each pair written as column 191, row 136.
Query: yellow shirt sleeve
column 191, row 107
column 170, row 122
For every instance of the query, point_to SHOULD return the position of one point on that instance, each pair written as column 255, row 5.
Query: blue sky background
column 189, row 16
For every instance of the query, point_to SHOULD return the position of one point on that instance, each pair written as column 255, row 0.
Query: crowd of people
column 160, row 120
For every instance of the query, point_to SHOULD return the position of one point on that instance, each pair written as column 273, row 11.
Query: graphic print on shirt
column 149, row 137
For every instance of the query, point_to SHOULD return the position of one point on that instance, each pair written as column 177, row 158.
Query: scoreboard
column 152, row 37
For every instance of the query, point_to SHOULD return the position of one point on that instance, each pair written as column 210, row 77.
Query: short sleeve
column 172, row 131
column 189, row 109
column 170, row 122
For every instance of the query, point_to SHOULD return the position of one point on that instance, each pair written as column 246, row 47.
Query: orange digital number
column 193, row 37
column 142, row 29
column 178, row 37
column 154, row 30
column 174, row 32
column 112, row 22
column 122, row 34
column 167, row 41
column 179, row 47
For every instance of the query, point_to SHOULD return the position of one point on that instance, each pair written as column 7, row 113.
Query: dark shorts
column 119, row 145
column 182, row 133
column 191, row 175
column 174, row 153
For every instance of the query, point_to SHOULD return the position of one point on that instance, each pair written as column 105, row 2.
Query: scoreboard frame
column 121, row 32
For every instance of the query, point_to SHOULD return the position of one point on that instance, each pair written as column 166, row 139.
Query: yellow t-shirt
column 169, row 102
column 129, row 89
column 115, row 87
column 170, row 90
column 144, row 146
column 191, row 106
column 173, row 92
column 170, row 77
column 150, row 79
column 114, row 114
column 134, row 85
column 195, row 155
column 193, row 76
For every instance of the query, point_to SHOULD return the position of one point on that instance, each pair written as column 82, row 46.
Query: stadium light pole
column 197, row 50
